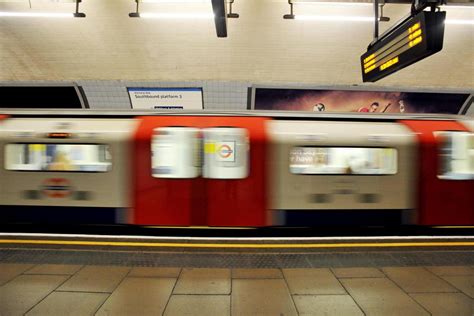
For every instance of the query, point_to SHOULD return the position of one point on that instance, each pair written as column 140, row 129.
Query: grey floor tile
column 257, row 274
column 10, row 270
column 139, row 296
column 445, row 303
column 451, row 270
column 203, row 281
column 417, row 280
column 380, row 296
column 154, row 272
column 23, row 292
column 198, row 305
column 95, row 279
column 69, row 303
column 312, row 281
column 357, row 273
column 54, row 269
column 463, row 283
column 326, row 305
column 261, row 297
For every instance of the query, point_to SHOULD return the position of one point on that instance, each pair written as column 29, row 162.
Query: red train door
column 195, row 200
column 442, row 201
column 159, row 201
column 240, row 202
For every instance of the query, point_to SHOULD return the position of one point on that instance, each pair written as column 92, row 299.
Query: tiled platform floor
column 68, row 289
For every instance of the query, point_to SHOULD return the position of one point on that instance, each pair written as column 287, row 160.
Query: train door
column 200, row 171
column 446, row 186
column 2, row 170
column 163, row 177
column 235, row 171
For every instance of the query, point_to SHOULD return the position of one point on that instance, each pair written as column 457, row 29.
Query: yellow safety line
column 260, row 246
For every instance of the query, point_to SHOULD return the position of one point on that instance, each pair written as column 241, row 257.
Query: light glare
column 342, row 18
column 333, row 3
column 36, row 15
column 174, row 1
column 203, row 16
column 460, row 22
column 334, row 18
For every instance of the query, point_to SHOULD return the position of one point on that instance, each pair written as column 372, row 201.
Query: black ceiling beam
column 220, row 17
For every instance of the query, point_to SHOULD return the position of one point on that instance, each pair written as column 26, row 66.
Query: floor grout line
column 401, row 289
column 121, row 281
column 54, row 290
column 347, row 292
column 172, row 291
column 289, row 291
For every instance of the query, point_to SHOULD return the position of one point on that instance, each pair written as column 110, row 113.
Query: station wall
column 217, row 95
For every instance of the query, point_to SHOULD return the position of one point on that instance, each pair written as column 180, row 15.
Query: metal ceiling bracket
column 78, row 14
column 231, row 14
column 135, row 14
column 290, row 16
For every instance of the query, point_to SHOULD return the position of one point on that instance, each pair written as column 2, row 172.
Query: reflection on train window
column 175, row 152
column 456, row 155
column 343, row 160
column 58, row 157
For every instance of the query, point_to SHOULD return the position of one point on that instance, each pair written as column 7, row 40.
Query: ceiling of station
column 261, row 46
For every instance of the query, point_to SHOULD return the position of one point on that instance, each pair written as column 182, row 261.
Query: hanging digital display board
column 166, row 98
column 411, row 41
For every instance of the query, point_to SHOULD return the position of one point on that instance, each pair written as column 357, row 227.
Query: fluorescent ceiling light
column 203, row 16
column 175, row 1
column 36, row 15
column 339, row 18
column 334, row 18
column 459, row 22
column 458, row 6
column 333, row 3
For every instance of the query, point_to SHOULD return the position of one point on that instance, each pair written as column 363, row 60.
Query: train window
column 226, row 153
column 175, row 152
column 58, row 157
column 343, row 160
column 456, row 155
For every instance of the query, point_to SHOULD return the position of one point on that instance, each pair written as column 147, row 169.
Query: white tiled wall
column 224, row 95
column 112, row 94
column 218, row 95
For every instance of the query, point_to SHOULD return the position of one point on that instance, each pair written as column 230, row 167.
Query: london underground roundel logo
column 225, row 151
column 57, row 187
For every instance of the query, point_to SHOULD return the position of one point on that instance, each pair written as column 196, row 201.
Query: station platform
column 44, row 274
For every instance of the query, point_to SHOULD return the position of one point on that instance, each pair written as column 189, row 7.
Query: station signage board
column 166, row 98
column 414, row 39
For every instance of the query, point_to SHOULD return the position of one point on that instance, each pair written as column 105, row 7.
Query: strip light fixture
column 76, row 14
column 348, row 18
column 199, row 16
column 138, row 14
column 36, row 15
column 342, row 18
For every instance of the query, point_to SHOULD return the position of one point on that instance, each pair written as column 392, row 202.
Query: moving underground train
column 244, row 169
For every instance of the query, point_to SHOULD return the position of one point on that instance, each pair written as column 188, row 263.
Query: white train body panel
column 335, row 189
column 85, row 182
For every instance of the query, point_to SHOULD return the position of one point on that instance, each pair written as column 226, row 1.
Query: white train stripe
column 210, row 239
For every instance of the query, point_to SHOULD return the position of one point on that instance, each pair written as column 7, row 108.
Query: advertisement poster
column 166, row 98
column 358, row 101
